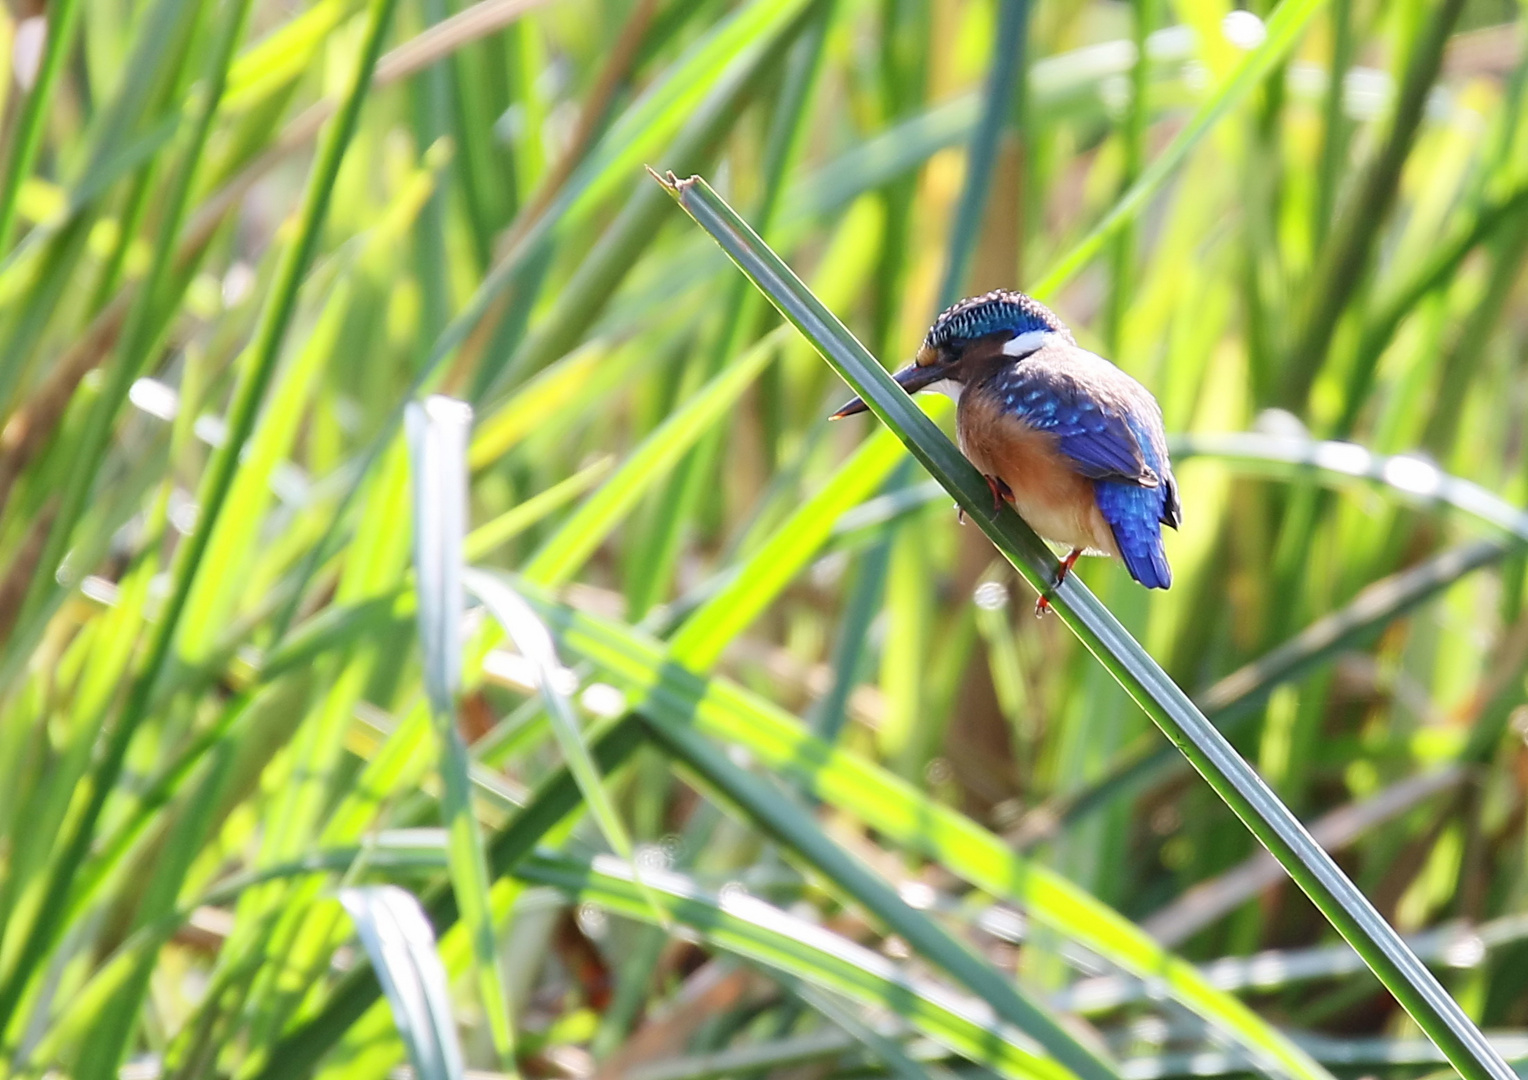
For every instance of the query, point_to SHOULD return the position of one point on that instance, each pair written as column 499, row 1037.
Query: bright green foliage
column 747, row 753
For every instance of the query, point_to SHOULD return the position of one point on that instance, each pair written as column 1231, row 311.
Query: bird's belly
column 1056, row 501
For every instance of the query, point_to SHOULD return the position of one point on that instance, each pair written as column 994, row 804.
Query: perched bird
column 1074, row 443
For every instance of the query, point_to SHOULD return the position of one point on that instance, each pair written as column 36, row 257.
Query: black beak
column 912, row 378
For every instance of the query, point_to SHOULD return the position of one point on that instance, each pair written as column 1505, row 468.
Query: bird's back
column 1082, row 446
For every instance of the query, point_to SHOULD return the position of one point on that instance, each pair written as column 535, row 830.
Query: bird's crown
column 991, row 313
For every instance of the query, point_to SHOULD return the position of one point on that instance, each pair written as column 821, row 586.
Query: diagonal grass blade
column 1416, row 988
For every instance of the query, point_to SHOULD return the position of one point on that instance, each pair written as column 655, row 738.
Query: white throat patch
column 948, row 387
column 1027, row 342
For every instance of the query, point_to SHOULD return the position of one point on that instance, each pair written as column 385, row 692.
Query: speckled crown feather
column 990, row 313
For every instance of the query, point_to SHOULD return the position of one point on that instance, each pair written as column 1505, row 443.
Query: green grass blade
column 1282, row 29
column 798, row 832
column 397, row 937
column 26, row 139
column 530, row 635
column 555, row 799
column 437, row 433
column 767, row 935
column 1005, row 75
column 260, row 364
column 565, row 552
column 1416, row 988
column 895, row 809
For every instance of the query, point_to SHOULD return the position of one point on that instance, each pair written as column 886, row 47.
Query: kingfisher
column 1071, row 441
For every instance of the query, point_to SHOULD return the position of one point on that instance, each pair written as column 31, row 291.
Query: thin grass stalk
column 260, row 364
column 62, row 17
column 1231, row 701
column 600, row 272
column 432, row 93
column 653, row 568
column 593, row 116
column 1168, row 706
column 797, row 831
column 1004, row 77
column 1335, row 124
column 437, row 435
column 301, row 1048
column 141, row 333
column 1341, row 269
column 1133, row 136
column 1436, row 272
column 1283, row 28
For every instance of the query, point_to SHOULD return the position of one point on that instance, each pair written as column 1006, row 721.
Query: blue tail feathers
column 1134, row 513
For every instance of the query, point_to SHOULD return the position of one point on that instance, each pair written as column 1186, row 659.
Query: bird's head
column 971, row 336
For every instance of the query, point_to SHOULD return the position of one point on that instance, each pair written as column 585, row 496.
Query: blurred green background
column 884, row 820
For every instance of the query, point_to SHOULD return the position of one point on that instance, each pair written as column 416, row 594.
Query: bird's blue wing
column 1099, row 439
column 1112, row 446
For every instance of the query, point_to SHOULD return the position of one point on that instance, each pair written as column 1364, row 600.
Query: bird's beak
column 912, row 378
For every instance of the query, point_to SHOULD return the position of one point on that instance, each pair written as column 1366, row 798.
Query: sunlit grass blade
column 764, row 574
column 26, row 136
column 565, row 551
column 437, row 434
column 676, row 697
column 397, row 937
column 557, row 797
column 1345, row 256
column 1232, row 699
column 530, row 635
column 772, row 810
column 1282, row 29
column 510, row 524
column 1168, row 706
column 767, row 935
column 1410, row 477
column 1005, row 73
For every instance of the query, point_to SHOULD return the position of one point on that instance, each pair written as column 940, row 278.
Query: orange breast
column 1056, row 501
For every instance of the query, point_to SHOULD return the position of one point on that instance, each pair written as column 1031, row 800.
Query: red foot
column 1043, row 604
column 1001, row 493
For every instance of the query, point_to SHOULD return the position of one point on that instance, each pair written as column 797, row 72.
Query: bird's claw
column 1043, row 604
column 1001, row 493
